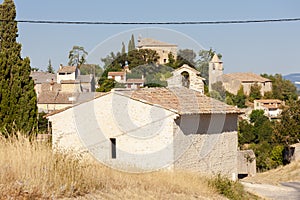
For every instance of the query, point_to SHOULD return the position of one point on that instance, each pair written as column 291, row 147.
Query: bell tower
column 215, row 69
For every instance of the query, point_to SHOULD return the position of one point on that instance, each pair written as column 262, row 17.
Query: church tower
column 215, row 70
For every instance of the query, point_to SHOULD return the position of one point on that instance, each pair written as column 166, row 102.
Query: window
column 165, row 60
column 113, row 148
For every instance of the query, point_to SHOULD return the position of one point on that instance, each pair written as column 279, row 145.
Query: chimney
column 60, row 66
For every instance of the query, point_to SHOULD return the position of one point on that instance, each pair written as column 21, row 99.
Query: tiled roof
column 116, row 73
column 66, row 69
column 153, row 42
column 268, row 101
column 69, row 81
column 135, row 80
column 53, row 97
column 215, row 59
column 246, row 77
column 42, row 77
column 180, row 100
column 46, row 86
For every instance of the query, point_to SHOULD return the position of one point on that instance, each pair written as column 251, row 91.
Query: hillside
column 294, row 78
column 286, row 173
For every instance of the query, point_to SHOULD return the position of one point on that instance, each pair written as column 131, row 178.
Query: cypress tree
column 123, row 51
column 18, row 102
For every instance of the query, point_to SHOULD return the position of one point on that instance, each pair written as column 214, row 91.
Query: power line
column 157, row 23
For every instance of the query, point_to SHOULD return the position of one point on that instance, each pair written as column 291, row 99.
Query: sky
column 260, row 48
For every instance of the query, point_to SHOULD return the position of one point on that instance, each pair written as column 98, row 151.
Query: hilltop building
column 233, row 81
column 162, row 48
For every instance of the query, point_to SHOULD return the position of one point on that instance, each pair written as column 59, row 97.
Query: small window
column 113, row 148
column 165, row 60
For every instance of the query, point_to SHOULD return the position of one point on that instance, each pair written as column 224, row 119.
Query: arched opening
column 185, row 79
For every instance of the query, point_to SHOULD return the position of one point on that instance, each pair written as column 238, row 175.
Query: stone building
column 150, row 129
column 162, row 48
column 57, row 91
column 272, row 107
column 233, row 81
column 188, row 77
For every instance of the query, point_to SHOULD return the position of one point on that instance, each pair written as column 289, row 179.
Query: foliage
column 123, row 51
column 255, row 92
column 106, row 85
column 202, row 63
column 281, row 88
column 131, row 44
column 87, row 69
column 77, row 56
column 18, row 102
column 42, row 123
column 287, row 130
column 218, row 87
column 240, row 98
column 230, row 189
column 50, row 68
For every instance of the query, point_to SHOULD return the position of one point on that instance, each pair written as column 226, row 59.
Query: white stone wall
column 144, row 133
column 209, row 147
column 71, row 76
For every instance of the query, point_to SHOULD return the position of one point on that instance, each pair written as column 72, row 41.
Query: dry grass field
column 286, row 173
column 30, row 170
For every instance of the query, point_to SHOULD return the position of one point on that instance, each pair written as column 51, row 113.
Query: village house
column 233, row 81
column 186, row 76
column 162, row 48
column 272, row 107
column 60, row 90
column 150, row 129
column 120, row 77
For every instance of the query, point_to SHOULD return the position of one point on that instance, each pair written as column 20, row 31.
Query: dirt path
column 286, row 191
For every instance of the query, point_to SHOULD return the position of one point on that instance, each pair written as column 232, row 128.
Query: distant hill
column 295, row 78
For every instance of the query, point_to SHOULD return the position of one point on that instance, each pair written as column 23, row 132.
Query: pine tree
column 18, row 102
column 131, row 44
column 123, row 51
column 50, row 68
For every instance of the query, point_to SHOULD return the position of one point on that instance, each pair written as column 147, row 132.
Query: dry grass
column 30, row 170
column 286, row 173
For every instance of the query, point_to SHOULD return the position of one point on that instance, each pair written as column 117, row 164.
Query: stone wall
column 246, row 163
column 210, row 147
column 143, row 133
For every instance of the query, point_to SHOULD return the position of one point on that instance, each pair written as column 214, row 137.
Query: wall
column 246, row 163
column 196, row 82
column 163, row 52
column 51, row 107
column 71, row 76
column 210, row 147
column 70, row 87
column 143, row 133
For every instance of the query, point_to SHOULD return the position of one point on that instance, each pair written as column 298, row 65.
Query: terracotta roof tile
column 152, row 42
column 66, row 69
column 180, row 100
column 131, row 80
column 246, row 77
column 116, row 73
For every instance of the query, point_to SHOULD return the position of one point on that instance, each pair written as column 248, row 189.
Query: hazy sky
column 259, row 48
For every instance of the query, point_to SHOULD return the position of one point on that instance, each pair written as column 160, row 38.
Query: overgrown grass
column 230, row 189
column 30, row 170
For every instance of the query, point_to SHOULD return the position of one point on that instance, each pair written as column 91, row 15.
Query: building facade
column 150, row 129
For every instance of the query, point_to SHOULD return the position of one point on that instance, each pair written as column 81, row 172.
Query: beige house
column 117, row 76
column 150, row 129
column 188, row 77
column 57, row 91
column 162, row 48
column 233, row 81
column 272, row 107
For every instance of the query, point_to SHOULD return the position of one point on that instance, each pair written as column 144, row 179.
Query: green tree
column 87, row 69
column 77, row 56
column 123, row 51
column 131, row 44
column 50, row 68
column 287, row 130
column 202, row 63
column 18, row 102
column 218, row 86
column 186, row 56
column 281, row 88
column 255, row 92
column 240, row 98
